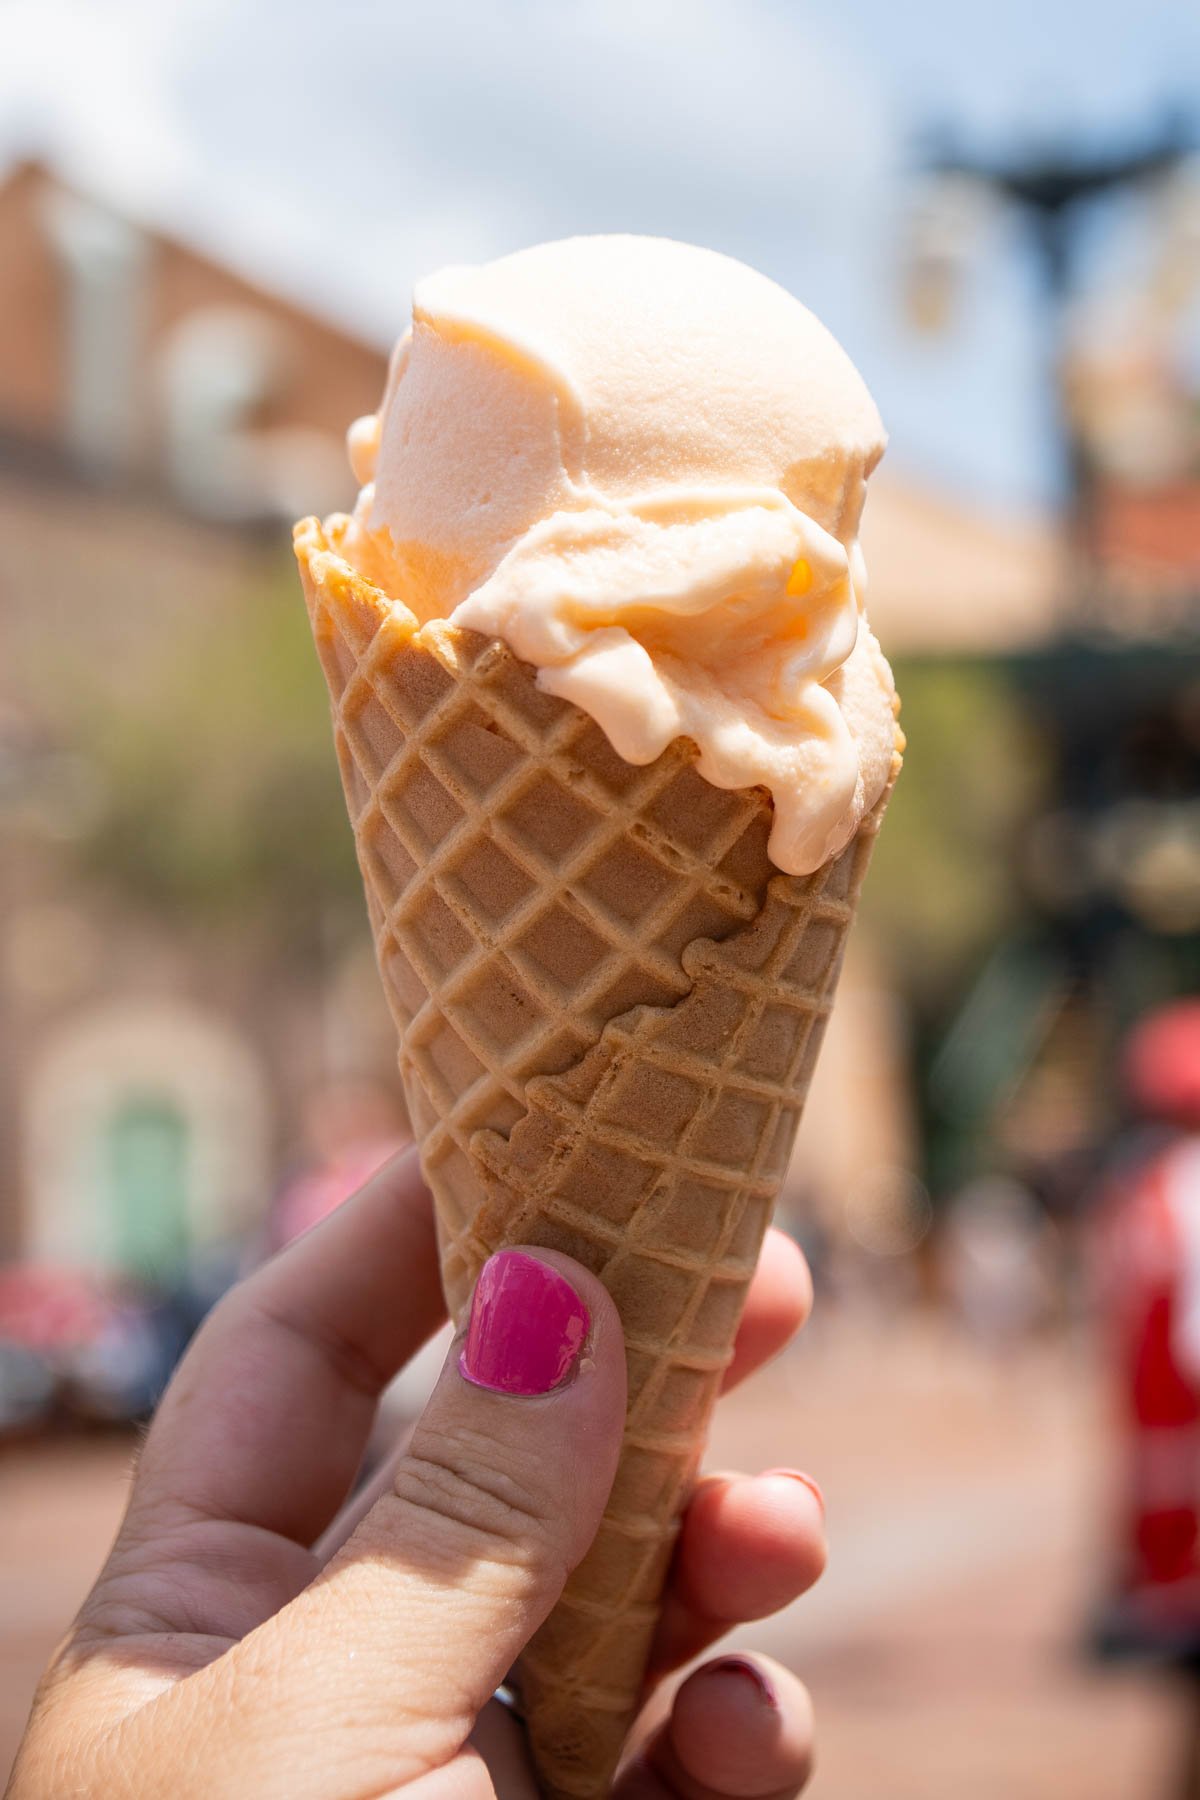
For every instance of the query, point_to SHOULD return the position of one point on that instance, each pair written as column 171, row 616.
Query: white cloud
column 337, row 151
column 344, row 150
column 84, row 82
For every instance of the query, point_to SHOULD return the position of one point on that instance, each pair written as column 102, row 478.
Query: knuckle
column 158, row 1606
column 470, row 1491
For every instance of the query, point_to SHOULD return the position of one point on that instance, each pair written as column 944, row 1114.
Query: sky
column 339, row 151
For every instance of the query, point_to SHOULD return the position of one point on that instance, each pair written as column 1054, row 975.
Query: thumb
column 394, row 1650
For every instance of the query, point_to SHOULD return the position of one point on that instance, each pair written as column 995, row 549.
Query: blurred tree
column 943, row 883
column 222, row 797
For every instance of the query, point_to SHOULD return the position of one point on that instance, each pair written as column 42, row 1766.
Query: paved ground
column 942, row 1647
column 965, row 1506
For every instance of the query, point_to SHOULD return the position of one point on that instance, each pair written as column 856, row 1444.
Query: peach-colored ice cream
column 642, row 465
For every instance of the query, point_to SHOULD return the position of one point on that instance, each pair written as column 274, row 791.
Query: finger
column 740, row 1728
column 777, row 1305
column 400, row 1412
column 268, row 1415
column 390, row 1655
column 748, row 1546
column 356, row 1509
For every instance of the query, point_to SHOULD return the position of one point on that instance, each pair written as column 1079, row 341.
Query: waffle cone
column 609, row 1004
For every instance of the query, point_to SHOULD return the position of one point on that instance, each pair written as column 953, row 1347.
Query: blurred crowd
column 80, row 1348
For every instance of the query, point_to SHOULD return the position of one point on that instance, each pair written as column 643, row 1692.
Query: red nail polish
column 527, row 1329
column 742, row 1665
column 806, row 1480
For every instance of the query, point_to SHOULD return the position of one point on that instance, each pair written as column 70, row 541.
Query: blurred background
column 210, row 220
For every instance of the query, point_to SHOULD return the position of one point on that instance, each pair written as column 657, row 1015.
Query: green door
column 146, row 1171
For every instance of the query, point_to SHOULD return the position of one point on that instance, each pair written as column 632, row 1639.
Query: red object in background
column 1150, row 530
column 1152, row 1258
column 1161, row 1065
column 308, row 1197
column 50, row 1310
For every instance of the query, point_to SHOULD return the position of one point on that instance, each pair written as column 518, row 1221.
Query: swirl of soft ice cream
column 642, row 466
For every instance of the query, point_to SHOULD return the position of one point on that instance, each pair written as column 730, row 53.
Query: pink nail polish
column 806, row 1480
column 528, row 1326
column 742, row 1665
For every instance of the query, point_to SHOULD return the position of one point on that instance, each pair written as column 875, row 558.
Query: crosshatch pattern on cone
column 608, row 1004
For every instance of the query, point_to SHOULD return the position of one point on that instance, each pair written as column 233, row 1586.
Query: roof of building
column 949, row 578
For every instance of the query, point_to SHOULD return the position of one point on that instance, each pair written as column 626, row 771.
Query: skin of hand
column 249, row 1635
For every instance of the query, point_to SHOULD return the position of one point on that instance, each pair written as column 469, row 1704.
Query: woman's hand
column 247, row 1640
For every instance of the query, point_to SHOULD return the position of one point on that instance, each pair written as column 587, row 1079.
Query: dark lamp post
column 1049, row 192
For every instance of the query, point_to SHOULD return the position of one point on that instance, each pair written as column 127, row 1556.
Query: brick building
column 184, row 961
column 161, row 418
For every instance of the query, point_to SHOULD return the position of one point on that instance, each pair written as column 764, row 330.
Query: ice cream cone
column 608, row 1004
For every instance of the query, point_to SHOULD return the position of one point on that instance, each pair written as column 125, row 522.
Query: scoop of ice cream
column 642, row 465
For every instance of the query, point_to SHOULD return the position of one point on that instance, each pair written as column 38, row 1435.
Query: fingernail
column 807, row 1480
column 528, row 1326
column 742, row 1665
